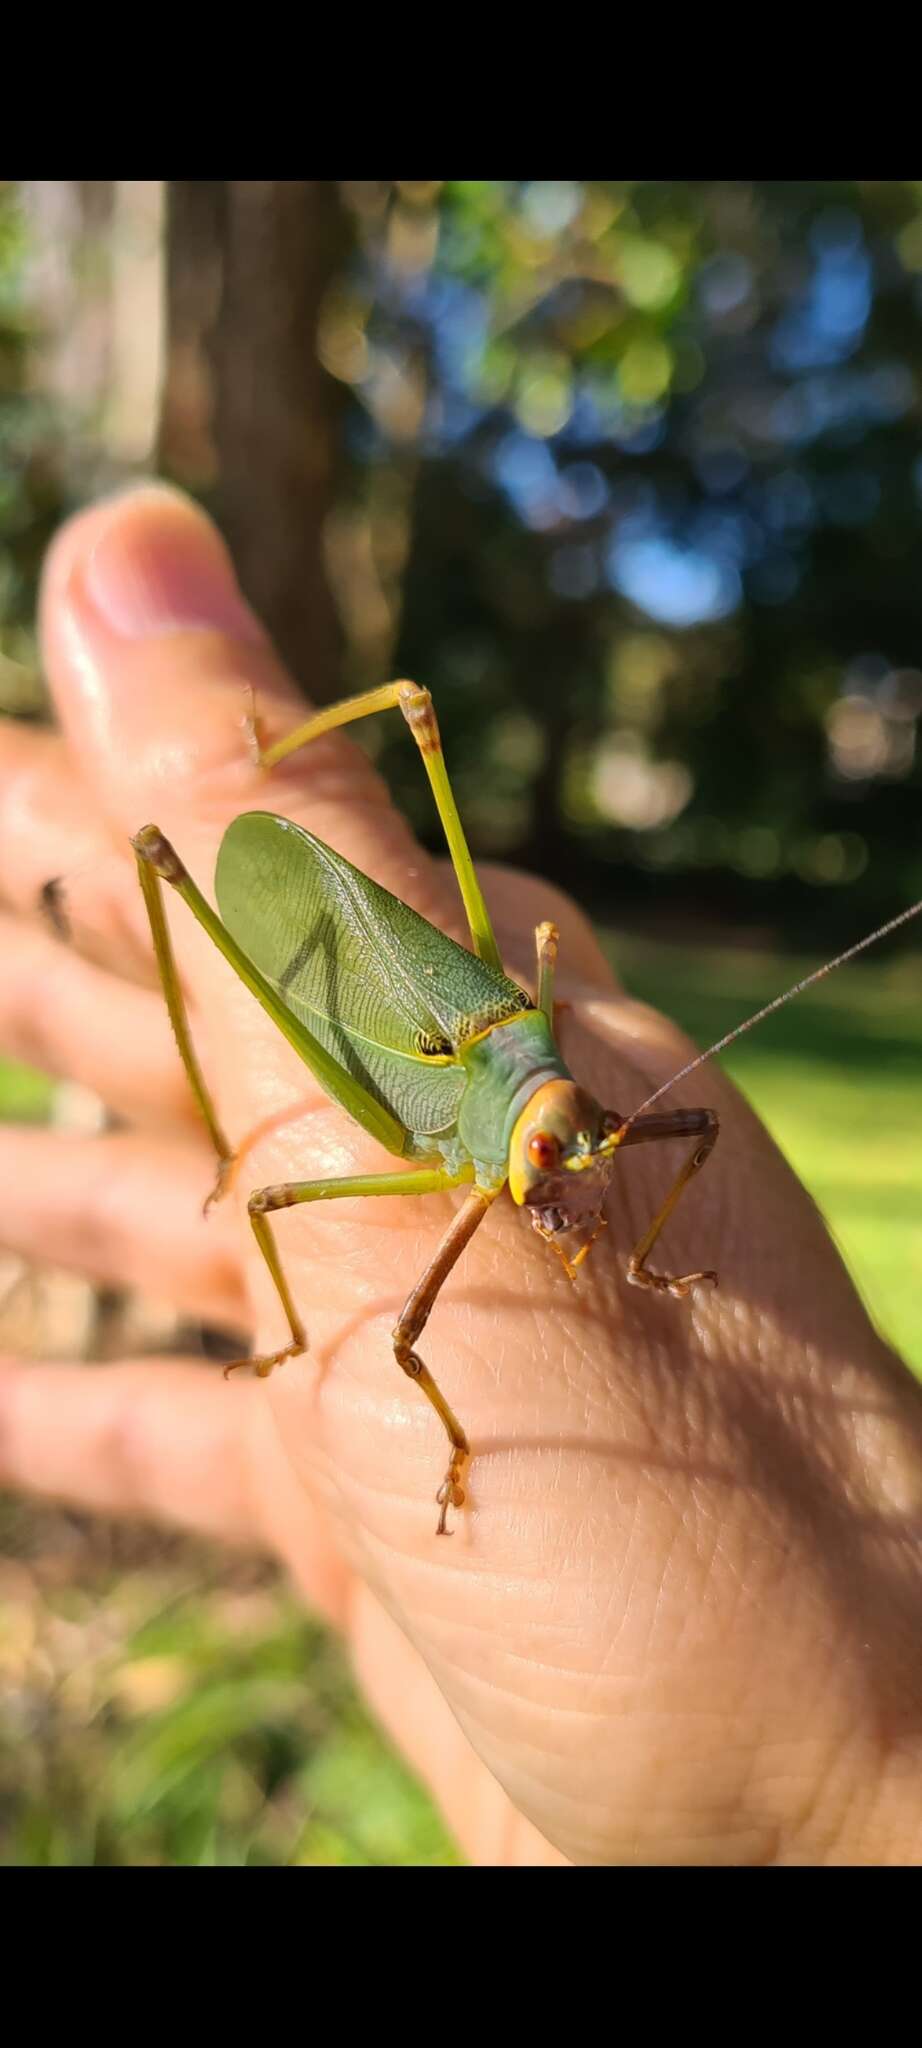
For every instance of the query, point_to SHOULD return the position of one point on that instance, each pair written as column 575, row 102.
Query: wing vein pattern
column 383, row 990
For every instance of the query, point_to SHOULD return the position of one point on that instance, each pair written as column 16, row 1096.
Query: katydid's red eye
column 543, row 1151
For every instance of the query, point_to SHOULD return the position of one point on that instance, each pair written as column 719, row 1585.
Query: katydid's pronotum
column 428, row 1046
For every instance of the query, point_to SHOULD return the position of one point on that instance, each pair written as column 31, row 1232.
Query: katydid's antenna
column 818, row 975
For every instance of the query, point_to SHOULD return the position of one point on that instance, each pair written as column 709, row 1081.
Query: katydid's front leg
column 676, row 1123
column 417, row 1310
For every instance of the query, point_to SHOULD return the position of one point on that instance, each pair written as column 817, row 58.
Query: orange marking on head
column 555, row 1115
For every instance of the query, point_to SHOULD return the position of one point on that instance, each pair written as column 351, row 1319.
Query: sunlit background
column 630, row 473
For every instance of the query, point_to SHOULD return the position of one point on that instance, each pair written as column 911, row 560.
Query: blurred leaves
column 79, row 263
column 645, row 409
column 180, row 1713
column 580, row 414
column 835, row 1076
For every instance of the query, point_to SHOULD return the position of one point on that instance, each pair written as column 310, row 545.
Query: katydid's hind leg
column 418, row 709
column 158, row 863
column 409, row 1327
column 681, row 1123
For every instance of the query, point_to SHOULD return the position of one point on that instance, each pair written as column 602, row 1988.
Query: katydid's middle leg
column 410, row 1325
column 289, row 1194
column 416, row 1311
column 426, row 1181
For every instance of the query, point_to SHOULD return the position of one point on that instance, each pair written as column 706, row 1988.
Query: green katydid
column 428, row 1046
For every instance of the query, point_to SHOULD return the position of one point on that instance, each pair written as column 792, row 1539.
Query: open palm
column 679, row 1616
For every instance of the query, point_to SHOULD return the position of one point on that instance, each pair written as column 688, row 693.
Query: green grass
column 175, row 1707
column 837, row 1078
column 160, row 1703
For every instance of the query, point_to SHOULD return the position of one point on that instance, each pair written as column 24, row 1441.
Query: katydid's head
column 560, row 1157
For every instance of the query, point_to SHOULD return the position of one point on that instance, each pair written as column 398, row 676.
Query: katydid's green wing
column 385, row 992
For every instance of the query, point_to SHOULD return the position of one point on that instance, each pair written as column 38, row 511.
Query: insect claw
column 684, row 1284
column 679, row 1285
column 263, row 1366
column 451, row 1493
column 224, row 1181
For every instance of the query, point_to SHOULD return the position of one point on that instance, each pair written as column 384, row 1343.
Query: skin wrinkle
column 660, row 1598
column 807, row 1810
column 545, row 1629
column 567, row 1815
column 480, row 1652
column 670, row 1589
column 800, row 1791
column 472, row 1799
column 533, row 1751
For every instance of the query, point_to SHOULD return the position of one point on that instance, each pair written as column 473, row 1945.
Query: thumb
column 153, row 657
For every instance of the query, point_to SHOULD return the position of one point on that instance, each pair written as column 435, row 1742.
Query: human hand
column 679, row 1620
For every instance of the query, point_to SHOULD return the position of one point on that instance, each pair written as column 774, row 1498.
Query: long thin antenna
column 799, row 986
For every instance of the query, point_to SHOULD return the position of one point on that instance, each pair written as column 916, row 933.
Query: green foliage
column 169, row 1715
column 33, row 498
column 835, row 1076
column 639, row 461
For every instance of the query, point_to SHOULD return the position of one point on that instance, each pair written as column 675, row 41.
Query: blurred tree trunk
column 250, row 419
